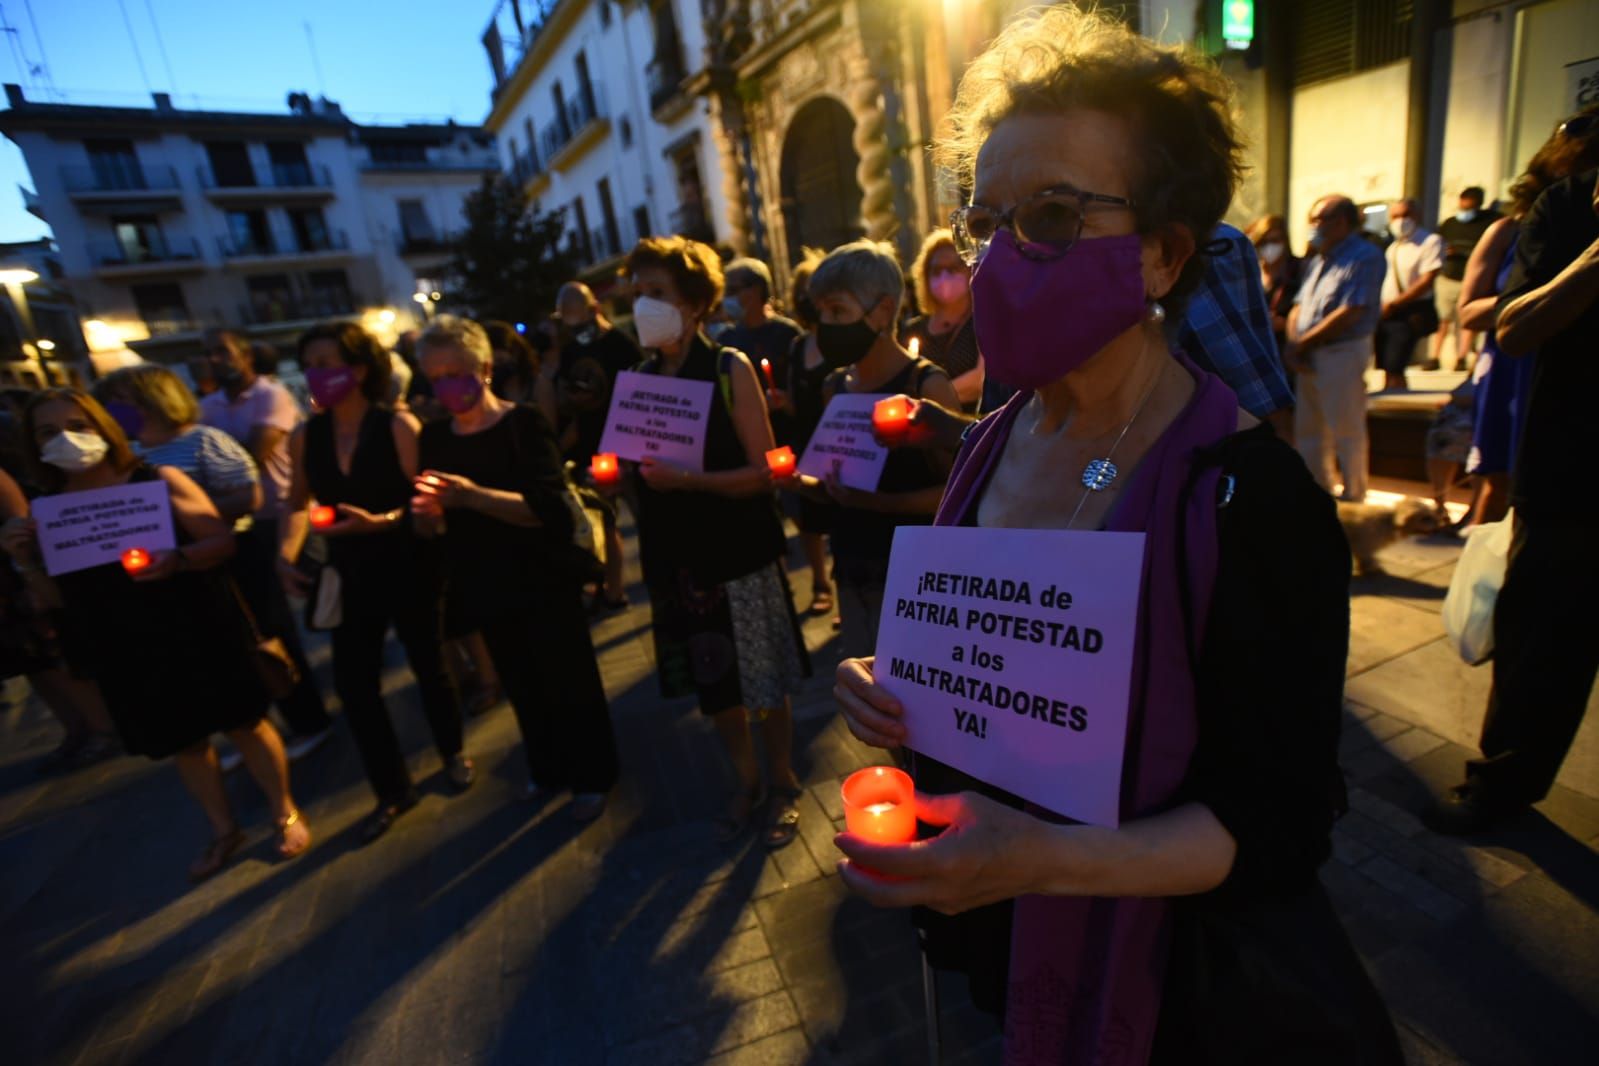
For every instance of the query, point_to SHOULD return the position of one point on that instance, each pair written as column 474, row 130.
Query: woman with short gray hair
column 857, row 291
column 493, row 487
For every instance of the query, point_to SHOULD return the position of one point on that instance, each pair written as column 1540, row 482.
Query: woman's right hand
column 20, row 538
column 871, row 711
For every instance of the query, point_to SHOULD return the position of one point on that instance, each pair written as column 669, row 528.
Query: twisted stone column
column 874, row 173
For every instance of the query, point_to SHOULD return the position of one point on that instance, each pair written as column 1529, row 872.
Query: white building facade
column 171, row 220
column 592, row 116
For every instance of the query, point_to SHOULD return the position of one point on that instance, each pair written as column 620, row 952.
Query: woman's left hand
column 355, row 520
column 450, row 490
column 986, row 853
column 663, row 476
column 162, row 566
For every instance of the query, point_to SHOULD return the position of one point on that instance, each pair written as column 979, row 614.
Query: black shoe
column 1467, row 809
column 460, row 771
column 383, row 819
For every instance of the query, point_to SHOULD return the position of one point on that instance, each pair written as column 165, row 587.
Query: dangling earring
column 1156, row 313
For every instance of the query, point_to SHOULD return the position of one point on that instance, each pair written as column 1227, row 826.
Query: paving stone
column 1413, row 888
column 788, row 1048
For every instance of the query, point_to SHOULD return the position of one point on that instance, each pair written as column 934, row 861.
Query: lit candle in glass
column 880, row 805
column 766, row 368
column 914, row 347
column 135, row 560
column 781, row 461
column 323, row 516
column 892, row 417
column 604, row 468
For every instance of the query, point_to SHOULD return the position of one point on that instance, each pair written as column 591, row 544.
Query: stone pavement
column 480, row 931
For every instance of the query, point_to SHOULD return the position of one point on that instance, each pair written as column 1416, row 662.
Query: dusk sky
column 381, row 60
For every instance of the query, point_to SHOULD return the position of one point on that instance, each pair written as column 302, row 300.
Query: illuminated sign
column 1238, row 23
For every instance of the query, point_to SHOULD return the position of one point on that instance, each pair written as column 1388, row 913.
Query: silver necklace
column 1099, row 474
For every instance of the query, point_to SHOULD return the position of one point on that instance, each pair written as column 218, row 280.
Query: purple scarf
column 1086, row 973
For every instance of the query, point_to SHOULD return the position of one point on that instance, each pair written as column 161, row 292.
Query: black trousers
column 373, row 603
column 255, row 568
column 1546, row 653
column 1397, row 336
column 547, row 665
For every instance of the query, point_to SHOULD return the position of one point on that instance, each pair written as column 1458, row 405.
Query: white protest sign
column 78, row 530
column 657, row 417
column 1012, row 651
column 843, row 438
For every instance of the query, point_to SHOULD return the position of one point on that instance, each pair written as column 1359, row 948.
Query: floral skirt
column 734, row 644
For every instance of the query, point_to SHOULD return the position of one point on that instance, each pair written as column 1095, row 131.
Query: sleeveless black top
column 714, row 538
column 375, row 483
column 862, row 539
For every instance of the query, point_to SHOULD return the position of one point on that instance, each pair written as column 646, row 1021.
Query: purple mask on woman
column 330, row 384
column 459, row 393
column 129, row 417
column 1038, row 321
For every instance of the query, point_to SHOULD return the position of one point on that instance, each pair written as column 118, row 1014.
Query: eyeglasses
column 1045, row 224
column 1580, row 126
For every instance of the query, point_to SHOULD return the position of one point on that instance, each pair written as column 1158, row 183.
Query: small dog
column 1371, row 527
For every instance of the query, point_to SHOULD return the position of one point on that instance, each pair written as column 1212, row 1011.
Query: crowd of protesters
column 1087, row 300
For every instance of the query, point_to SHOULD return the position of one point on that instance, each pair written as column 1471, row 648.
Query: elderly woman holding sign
column 1195, row 931
column 162, row 631
column 712, row 543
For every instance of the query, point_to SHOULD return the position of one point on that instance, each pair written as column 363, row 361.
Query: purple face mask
column 459, row 393
column 129, row 417
column 1037, row 321
column 948, row 286
column 330, row 384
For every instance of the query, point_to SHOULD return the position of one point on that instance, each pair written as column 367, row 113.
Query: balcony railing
column 403, row 166
column 511, row 32
column 154, row 251
column 127, row 177
column 168, row 322
column 525, row 167
column 580, row 112
column 232, row 248
column 421, row 244
column 663, row 78
column 266, row 310
column 690, row 220
column 279, row 176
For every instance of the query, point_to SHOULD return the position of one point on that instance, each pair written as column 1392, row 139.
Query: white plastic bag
column 1469, row 607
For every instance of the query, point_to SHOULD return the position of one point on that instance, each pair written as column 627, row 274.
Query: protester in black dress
column 360, row 458
column 492, row 486
column 711, row 540
column 943, row 334
column 170, row 647
column 857, row 292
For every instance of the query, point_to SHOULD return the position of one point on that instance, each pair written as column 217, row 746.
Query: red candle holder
column 135, row 560
column 892, row 417
column 604, row 468
column 781, row 461
column 323, row 516
column 766, row 368
column 880, row 805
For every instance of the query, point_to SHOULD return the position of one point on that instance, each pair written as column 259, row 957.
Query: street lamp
column 14, row 279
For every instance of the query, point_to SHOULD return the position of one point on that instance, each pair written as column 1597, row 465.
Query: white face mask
column 1402, row 228
column 74, row 452
column 658, row 322
column 1466, row 214
column 732, row 308
column 1272, row 251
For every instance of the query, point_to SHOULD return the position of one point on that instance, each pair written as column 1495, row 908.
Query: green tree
column 509, row 260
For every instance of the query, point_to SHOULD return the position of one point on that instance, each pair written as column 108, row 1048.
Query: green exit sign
column 1238, row 23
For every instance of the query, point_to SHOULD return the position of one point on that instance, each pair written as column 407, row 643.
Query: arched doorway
column 821, row 199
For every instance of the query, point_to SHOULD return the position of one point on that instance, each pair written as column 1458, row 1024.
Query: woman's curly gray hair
column 1177, row 104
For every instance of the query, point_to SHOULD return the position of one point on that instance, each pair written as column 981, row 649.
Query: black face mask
column 845, row 345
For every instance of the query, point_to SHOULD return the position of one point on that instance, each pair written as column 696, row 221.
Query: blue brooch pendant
column 1098, row 474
